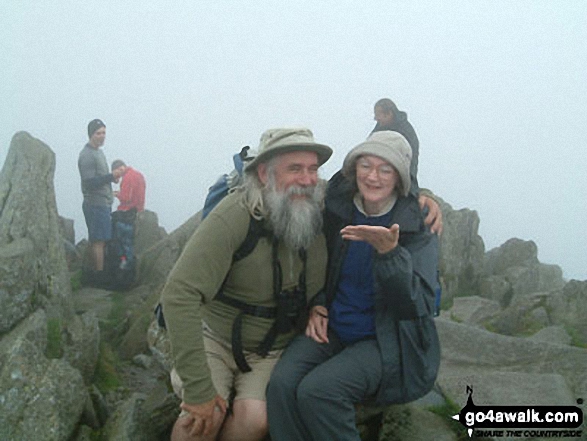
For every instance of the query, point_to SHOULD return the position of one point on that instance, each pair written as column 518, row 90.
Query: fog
column 496, row 90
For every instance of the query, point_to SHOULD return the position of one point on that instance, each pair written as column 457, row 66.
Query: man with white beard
column 239, row 290
column 296, row 213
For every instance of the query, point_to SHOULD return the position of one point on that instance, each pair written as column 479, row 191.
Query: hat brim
column 392, row 157
column 323, row 151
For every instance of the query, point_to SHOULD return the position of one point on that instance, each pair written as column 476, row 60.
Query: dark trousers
column 125, row 236
column 314, row 387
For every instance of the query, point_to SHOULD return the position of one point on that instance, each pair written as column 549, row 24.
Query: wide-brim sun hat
column 284, row 140
column 389, row 146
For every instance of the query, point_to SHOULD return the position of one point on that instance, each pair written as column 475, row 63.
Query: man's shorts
column 98, row 222
column 226, row 376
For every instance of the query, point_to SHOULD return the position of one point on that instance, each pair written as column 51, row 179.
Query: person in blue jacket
column 371, row 334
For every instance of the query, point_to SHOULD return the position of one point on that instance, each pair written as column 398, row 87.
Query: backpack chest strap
column 268, row 312
column 280, row 314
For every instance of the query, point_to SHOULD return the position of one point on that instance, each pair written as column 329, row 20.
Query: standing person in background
column 389, row 117
column 132, row 201
column 96, row 183
column 132, row 187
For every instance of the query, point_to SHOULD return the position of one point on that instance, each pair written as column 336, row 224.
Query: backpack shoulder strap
column 254, row 233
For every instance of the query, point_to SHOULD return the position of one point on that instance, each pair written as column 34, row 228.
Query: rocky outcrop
column 512, row 254
column 524, row 315
column 17, row 282
column 469, row 352
column 82, row 348
column 41, row 398
column 461, row 252
column 528, row 313
column 66, row 229
column 553, row 334
column 147, row 231
column 473, row 310
column 33, row 271
column 72, row 254
column 515, row 265
column 156, row 261
column 508, row 271
column 46, row 351
column 568, row 308
column 144, row 417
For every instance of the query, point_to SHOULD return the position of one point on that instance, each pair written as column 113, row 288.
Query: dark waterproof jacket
column 405, row 279
column 401, row 125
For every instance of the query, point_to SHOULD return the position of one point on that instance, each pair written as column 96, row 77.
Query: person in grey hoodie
column 96, row 184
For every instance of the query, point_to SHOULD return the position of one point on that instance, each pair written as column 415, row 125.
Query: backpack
column 227, row 182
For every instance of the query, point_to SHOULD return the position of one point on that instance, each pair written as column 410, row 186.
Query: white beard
column 297, row 221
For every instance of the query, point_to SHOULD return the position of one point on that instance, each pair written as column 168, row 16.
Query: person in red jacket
column 132, row 187
column 132, row 201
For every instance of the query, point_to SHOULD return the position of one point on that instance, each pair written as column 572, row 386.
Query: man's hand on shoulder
column 434, row 217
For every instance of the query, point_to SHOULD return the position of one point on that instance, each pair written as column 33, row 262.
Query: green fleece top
column 199, row 273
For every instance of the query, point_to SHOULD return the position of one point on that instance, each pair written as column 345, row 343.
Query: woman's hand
column 317, row 328
column 383, row 239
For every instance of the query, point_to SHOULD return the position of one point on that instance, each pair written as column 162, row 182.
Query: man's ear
column 262, row 173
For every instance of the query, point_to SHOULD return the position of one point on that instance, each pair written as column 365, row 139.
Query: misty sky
column 496, row 90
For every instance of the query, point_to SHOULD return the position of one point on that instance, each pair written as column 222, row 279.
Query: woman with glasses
column 370, row 336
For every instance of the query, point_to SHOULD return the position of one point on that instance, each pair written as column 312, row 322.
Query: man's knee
column 247, row 422
column 251, row 411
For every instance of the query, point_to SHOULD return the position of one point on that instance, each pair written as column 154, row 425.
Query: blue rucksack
column 226, row 182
